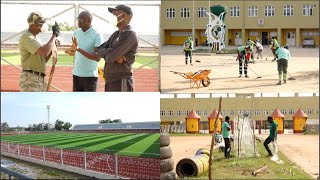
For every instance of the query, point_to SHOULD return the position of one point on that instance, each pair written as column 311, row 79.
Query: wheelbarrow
column 196, row 78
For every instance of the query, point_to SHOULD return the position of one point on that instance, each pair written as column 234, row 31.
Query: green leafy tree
column 67, row 126
column 58, row 125
column 5, row 126
column 110, row 121
column 64, row 26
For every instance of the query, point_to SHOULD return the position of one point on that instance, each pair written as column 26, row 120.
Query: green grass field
column 66, row 60
column 128, row 144
column 241, row 167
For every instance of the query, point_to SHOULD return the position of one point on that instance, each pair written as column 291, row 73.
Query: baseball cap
column 35, row 17
column 123, row 8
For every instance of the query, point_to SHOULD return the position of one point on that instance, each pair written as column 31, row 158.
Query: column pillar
column 279, row 35
column 297, row 37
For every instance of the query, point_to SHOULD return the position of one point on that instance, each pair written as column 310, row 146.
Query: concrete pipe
column 193, row 166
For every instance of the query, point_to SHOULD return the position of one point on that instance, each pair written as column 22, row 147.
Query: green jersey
column 273, row 130
column 225, row 132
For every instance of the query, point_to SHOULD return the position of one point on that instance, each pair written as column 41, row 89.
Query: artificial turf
column 127, row 144
column 66, row 60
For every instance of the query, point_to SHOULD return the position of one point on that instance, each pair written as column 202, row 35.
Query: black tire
column 164, row 139
column 206, row 82
column 166, row 165
column 168, row 176
column 165, row 152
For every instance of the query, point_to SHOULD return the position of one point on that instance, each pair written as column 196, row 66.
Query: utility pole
column 193, row 20
column 48, row 108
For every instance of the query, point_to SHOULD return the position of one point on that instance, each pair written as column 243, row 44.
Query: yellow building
column 173, row 110
column 289, row 21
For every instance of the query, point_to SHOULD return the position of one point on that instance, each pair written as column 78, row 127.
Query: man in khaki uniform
column 34, row 55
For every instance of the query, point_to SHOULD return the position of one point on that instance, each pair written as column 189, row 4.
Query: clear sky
column 145, row 19
column 22, row 109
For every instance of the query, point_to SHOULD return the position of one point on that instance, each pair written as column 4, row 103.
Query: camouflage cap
column 35, row 17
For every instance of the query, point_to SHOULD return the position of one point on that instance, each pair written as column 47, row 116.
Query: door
column 238, row 39
column 264, row 38
column 291, row 38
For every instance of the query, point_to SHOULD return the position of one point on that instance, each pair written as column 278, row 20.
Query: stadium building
column 134, row 127
column 289, row 21
column 175, row 109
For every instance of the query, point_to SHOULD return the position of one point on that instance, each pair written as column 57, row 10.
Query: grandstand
column 132, row 127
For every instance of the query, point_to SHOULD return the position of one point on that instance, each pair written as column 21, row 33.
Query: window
column 186, row 113
column 198, row 112
column 202, row 12
column 265, row 112
column 162, row 113
column 170, row 113
column 179, row 113
column 269, row 11
column 283, row 111
column 253, row 11
column 310, row 111
column 240, row 112
column 171, row 13
column 257, row 112
column 234, row 11
column 307, row 10
column 205, row 113
column 223, row 112
column 291, row 111
column 288, row 10
column 185, row 12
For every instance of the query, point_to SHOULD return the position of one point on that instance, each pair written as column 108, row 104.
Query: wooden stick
column 213, row 138
column 54, row 62
column 259, row 170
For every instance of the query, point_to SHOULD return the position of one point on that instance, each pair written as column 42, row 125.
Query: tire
column 168, row 176
column 164, row 139
column 206, row 82
column 165, row 152
column 166, row 165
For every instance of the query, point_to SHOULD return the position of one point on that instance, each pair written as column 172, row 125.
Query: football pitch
column 126, row 144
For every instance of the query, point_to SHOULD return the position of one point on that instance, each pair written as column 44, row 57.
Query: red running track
column 146, row 80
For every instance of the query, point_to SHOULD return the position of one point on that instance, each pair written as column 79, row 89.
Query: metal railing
column 15, row 174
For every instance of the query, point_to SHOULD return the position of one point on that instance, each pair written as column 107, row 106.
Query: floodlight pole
column 48, row 107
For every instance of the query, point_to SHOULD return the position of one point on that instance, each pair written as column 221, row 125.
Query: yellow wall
column 299, row 123
column 212, row 121
column 231, row 103
column 192, row 125
column 316, row 38
column 279, row 122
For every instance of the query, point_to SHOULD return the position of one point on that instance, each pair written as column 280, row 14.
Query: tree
column 58, row 125
column 4, row 126
column 110, row 121
column 64, row 26
column 67, row 126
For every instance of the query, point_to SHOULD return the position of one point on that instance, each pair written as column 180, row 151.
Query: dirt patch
column 301, row 149
column 304, row 66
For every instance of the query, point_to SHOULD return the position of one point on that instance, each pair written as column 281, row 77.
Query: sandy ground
column 187, row 146
column 301, row 149
column 303, row 65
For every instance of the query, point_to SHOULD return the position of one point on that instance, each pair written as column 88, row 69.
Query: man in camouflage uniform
column 243, row 57
column 187, row 48
column 34, row 55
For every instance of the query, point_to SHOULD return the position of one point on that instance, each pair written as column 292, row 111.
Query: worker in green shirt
column 274, row 47
column 226, row 137
column 187, row 48
column 272, row 136
column 243, row 57
column 283, row 55
column 250, row 43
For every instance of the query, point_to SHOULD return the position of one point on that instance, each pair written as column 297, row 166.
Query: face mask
column 114, row 21
column 44, row 27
